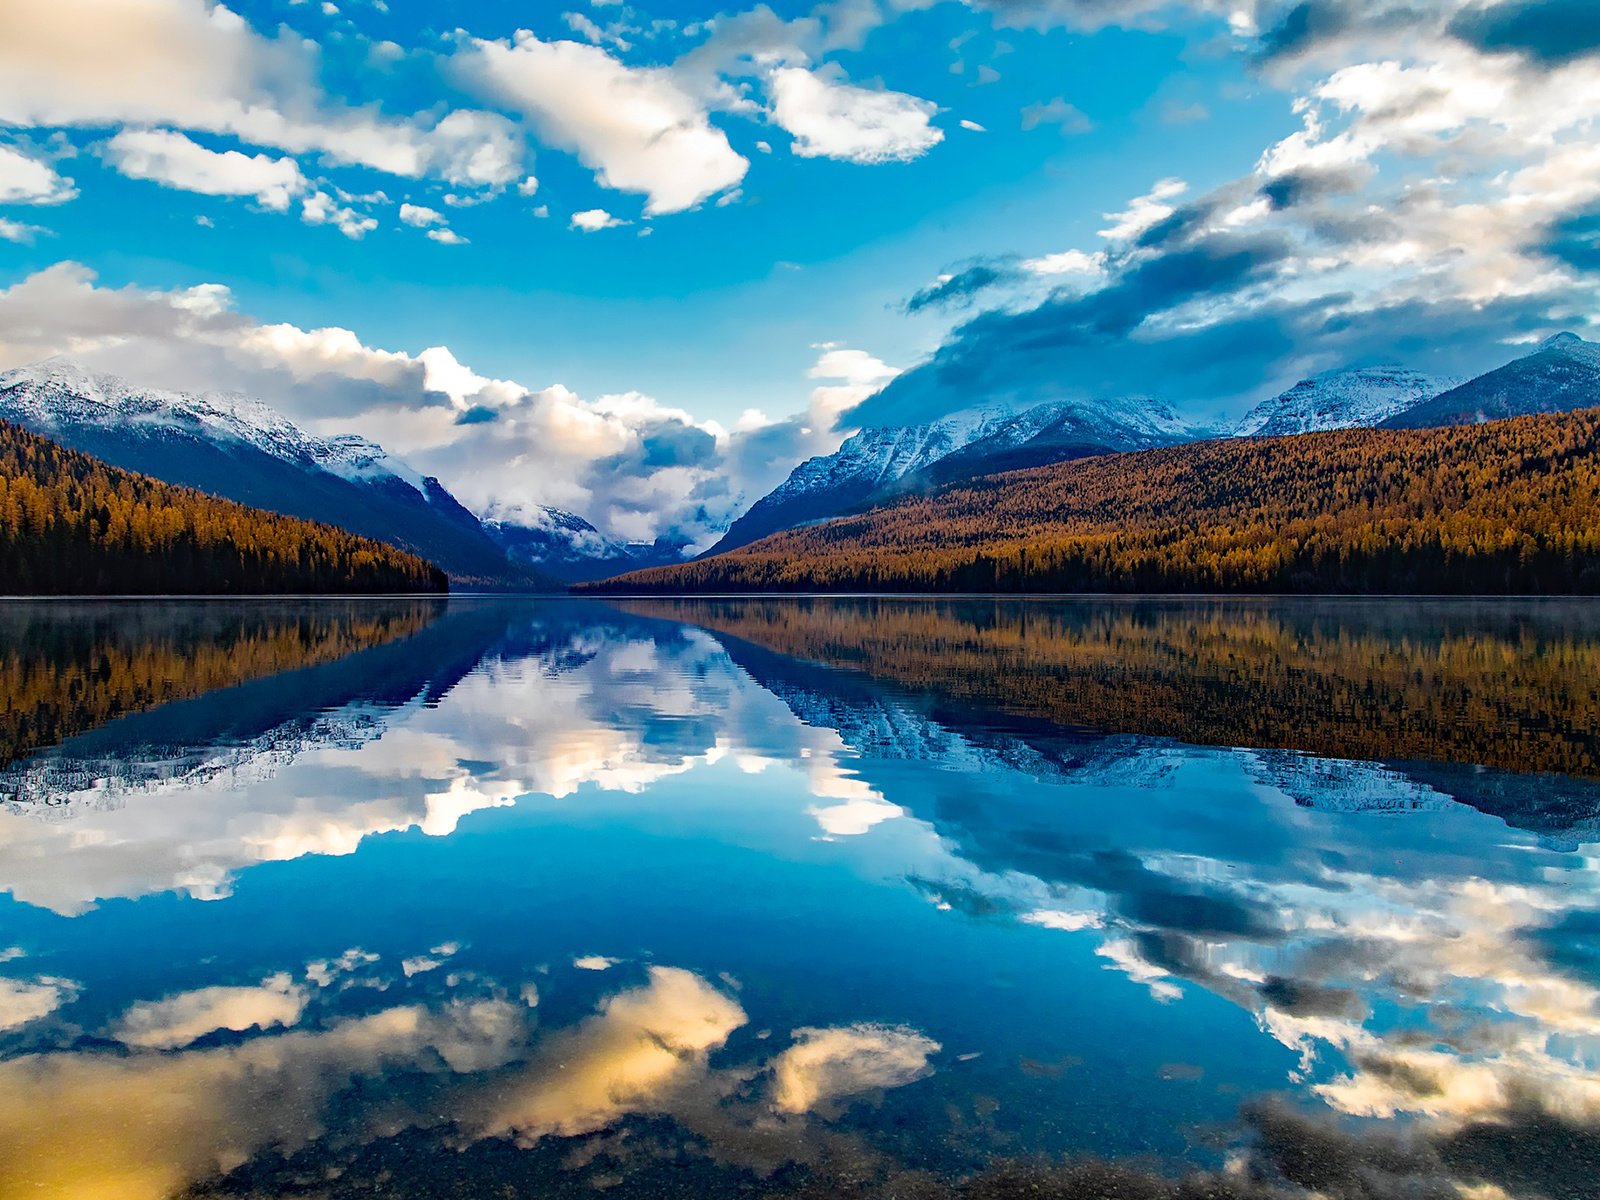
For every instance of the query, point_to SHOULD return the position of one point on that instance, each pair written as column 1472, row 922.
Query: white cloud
column 28, row 180
column 595, row 962
column 592, row 220
column 972, row 126
column 828, row 1065
column 19, row 231
column 422, row 963
column 638, row 128
column 433, row 221
column 855, row 816
column 420, row 216
column 833, row 119
column 176, row 161
column 1055, row 918
column 199, row 66
column 1144, row 211
column 26, row 1000
column 859, row 375
column 1066, row 262
column 183, row 1018
column 643, row 1047
column 319, row 208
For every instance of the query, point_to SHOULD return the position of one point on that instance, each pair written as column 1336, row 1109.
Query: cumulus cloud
column 25, row 179
column 23, row 1001
column 194, row 65
column 825, row 1066
column 639, row 128
column 320, row 208
column 64, row 1116
column 830, row 118
column 855, row 375
column 184, row 1018
column 19, row 231
column 593, row 220
column 431, row 961
column 643, row 1045
column 176, row 161
column 420, row 215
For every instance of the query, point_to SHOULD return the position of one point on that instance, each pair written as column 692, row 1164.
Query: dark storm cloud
column 1304, row 25
column 1302, row 998
column 675, row 444
column 1551, row 31
column 662, row 444
column 1294, row 189
column 1103, row 344
column 1576, row 241
column 963, row 285
column 1313, row 24
column 1077, row 345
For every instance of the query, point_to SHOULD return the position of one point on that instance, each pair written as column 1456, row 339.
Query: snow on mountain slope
column 981, row 441
column 241, row 449
column 59, row 395
column 1342, row 399
column 1561, row 375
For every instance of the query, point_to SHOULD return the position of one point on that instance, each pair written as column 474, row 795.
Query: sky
column 638, row 259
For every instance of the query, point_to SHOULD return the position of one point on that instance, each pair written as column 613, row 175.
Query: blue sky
column 604, row 224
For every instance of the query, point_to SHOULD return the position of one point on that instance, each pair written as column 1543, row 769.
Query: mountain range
column 875, row 465
column 240, row 449
column 878, row 466
column 1502, row 507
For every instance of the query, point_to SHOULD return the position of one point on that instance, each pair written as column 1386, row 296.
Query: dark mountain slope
column 1562, row 375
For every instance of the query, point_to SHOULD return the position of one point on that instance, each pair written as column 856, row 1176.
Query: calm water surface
column 499, row 898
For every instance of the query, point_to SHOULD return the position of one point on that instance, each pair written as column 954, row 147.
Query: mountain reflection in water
column 498, row 897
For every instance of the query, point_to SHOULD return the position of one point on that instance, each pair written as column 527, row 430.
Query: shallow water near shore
column 505, row 897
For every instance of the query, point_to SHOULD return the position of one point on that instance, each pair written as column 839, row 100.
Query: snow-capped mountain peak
column 59, row 394
column 240, row 448
column 1343, row 399
column 1572, row 346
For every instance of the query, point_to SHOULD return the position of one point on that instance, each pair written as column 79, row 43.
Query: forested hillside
column 1510, row 506
column 70, row 523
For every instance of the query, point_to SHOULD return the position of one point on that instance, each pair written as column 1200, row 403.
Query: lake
column 479, row 897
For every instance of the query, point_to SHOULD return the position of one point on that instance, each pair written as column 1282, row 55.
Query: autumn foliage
column 1442, row 680
column 70, row 523
column 75, row 666
column 1507, row 507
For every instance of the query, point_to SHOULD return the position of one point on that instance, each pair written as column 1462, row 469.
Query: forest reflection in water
column 1513, row 685
column 795, row 898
